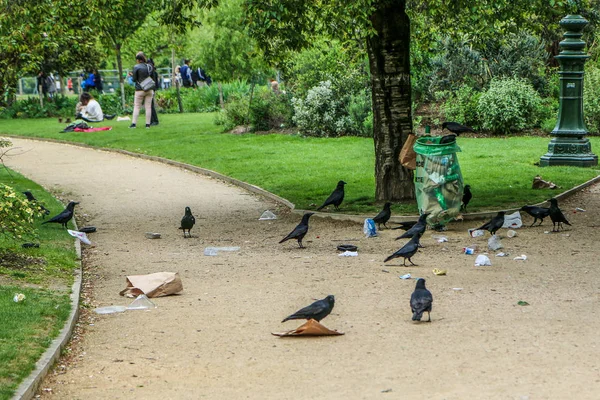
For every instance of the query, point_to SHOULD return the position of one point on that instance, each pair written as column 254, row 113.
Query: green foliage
column 462, row 106
column 202, row 99
column 509, row 105
column 60, row 106
column 16, row 214
column 591, row 98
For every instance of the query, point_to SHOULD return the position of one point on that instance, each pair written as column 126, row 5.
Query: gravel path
column 214, row 340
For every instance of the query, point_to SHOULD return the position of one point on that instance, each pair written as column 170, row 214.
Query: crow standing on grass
column 494, row 224
column 467, row 196
column 317, row 310
column 407, row 251
column 33, row 200
column 187, row 222
column 64, row 217
column 336, row 197
column 383, row 216
column 299, row 231
column 557, row 216
column 537, row 213
column 420, row 301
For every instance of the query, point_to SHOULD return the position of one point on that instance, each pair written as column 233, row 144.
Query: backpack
column 76, row 124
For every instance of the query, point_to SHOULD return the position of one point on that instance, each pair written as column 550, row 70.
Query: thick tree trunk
column 389, row 59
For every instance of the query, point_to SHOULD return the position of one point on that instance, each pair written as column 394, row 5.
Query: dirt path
column 214, row 341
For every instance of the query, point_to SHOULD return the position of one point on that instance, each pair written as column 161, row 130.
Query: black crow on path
column 187, row 222
column 420, row 301
column 32, row 199
column 336, row 197
column 537, row 213
column 494, row 224
column 64, row 217
column 467, row 196
column 383, row 216
column 407, row 251
column 299, row 231
column 406, row 225
column 317, row 310
column 557, row 216
column 419, row 228
column 456, row 128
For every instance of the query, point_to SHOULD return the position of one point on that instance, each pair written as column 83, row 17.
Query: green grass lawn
column 44, row 275
column 305, row 170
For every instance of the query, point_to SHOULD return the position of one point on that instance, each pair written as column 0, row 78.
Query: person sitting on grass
column 90, row 110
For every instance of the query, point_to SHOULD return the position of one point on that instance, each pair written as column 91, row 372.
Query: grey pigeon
column 408, row 250
column 336, row 197
column 187, row 222
column 419, row 227
column 537, row 213
column 557, row 216
column 65, row 216
column 299, row 231
column 317, row 310
column 420, row 301
column 384, row 215
column 494, row 224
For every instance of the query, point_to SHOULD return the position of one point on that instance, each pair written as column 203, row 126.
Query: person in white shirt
column 91, row 110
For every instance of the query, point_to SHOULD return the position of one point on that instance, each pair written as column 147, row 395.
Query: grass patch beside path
column 44, row 275
column 306, row 170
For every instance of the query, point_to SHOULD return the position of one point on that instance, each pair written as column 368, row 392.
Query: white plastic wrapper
column 79, row 235
column 482, row 260
column 494, row 243
column 513, row 220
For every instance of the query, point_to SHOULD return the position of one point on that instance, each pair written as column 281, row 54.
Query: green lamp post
column 569, row 146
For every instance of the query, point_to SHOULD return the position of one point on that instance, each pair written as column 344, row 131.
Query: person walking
column 141, row 71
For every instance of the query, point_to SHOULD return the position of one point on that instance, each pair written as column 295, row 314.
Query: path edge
column 285, row 202
column 29, row 386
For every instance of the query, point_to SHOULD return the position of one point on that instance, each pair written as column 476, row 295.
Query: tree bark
column 389, row 60
column 120, row 68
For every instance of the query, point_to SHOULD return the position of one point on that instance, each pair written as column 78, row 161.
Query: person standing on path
column 141, row 71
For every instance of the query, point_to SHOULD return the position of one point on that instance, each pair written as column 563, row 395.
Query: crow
column 407, row 251
column 467, row 196
column 383, row 216
column 406, row 225
column 187, row 222
column 419, row 228
column 33, row 200
column 65, row 216
column 456, row 128
column 317, row 310
column 494, row 224
column 299, row 231
column 537, row 213
column 420, row 301
column 448, row 138
column 336, row 197
column 557, row 216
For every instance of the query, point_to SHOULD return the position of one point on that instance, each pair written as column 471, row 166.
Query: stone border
column 285, row 202
column 30, row 385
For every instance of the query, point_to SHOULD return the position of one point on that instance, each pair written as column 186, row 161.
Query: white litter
column 522, row 257
column 482, row 260
column 348, row 253
column 79, row 235
column 267, row 215
column 440, row 238
column 406, row 276
column 511, row 233
column 476, row 232
column 513, row 220
column 494, row 243
column 502, row 255
column 457, row 289
column 141, row 303
column 123, row 118
column 19, row 297
column 110, row 309
column 213, row 251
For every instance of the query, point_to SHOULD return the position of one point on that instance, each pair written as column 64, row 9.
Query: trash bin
column 438, row 180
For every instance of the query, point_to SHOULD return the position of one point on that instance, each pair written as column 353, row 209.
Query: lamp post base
column 576, row 152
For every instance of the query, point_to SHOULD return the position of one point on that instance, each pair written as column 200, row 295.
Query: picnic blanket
column 102, row 128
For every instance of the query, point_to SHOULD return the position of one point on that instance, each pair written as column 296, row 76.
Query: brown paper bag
column 153, row 285
column 309, row 328
column 408, row 157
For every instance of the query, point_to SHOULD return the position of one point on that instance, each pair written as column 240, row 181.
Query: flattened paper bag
column 310, row 328
column 153, row 285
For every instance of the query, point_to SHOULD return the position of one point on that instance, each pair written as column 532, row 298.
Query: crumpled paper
column 153, row 285
column 309, row 328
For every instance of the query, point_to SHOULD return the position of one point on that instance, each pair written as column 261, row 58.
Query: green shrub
column 509, row 105
column 16, row 214
column 201, row 99
column 591, row 98
column 462, row 105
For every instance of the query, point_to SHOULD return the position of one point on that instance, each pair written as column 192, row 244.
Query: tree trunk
column 389, row 60
column 120, row 68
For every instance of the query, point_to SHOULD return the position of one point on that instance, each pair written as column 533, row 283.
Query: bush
column 461, row 106
column 202, row 99
column 16, row 214
column 509, row 105
column 320, row 113
column 591, row 98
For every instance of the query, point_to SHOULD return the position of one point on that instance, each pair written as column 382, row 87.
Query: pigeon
column 456, row 128
column 383, row 216
column 336, row 197
column 32, row 199
column 420, row 301
column 419, row 227
column 408, row 250
column 64, row 217
column 557, row 216
column 187, row 222
column 467, row 196
column 537, row 213
column 317, row 310
column 406, row 225
column 299, row 231
column 494, row 224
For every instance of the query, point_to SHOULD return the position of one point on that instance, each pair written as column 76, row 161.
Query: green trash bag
column 438, row 180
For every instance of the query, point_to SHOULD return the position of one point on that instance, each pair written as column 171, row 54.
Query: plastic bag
column 494, row 243
column 482, row 260
column 369, row 228
column 513, row 220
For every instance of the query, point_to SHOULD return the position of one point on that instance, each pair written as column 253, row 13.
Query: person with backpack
column 143, row 92
column 186, row 74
